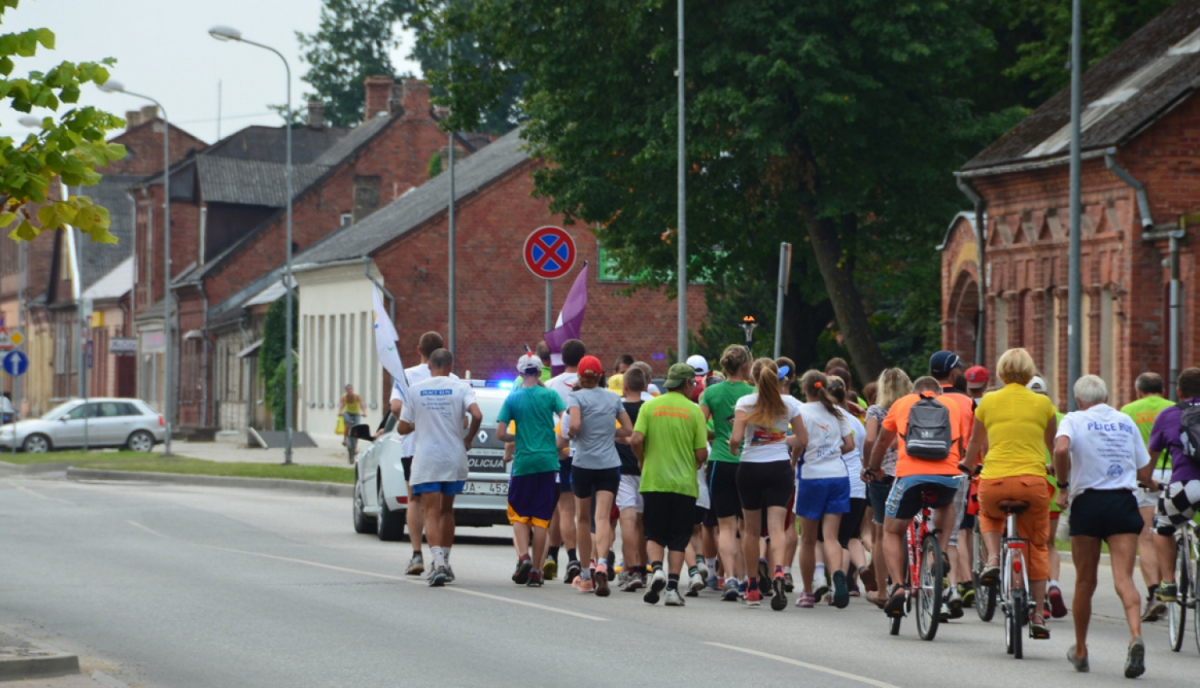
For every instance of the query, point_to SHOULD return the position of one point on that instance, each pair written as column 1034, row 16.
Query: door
column 70, row 429
column 111, row 424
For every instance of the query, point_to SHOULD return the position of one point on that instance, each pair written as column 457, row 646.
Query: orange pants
column 1033, row 523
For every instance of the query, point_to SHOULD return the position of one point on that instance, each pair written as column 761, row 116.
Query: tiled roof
column 1136, row 83
column 252, row 182
column 343, row 147
column 267, row 144
column 97, row 260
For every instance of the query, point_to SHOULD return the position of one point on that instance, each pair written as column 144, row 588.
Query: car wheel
column 36, row 444
column 362, row 522
column 389, row 526
column 140, row 441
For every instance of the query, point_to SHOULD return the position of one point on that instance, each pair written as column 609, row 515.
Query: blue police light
column 499, row 384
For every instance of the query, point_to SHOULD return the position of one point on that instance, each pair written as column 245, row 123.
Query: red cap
column 590, row 366
column 977, row 376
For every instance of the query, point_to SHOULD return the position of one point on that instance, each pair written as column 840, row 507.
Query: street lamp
column 228, row 33
column 748, row 326
column 114, row 86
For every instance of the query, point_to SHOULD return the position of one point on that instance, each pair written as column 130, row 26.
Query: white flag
column 385, row 344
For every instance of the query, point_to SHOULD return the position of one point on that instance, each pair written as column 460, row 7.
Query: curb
column 18, row 468
column 306, row 487
column 29, row 659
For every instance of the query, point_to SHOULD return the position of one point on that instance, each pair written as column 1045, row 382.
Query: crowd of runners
column 723, row 480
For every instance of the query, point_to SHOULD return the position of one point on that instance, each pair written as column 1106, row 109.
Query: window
column 82, row 410
column 347, row 219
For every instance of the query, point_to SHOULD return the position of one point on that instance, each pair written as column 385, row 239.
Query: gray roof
column 97, row 260
column 349, row 143
column 418, row 205
column 267, row 143
column 1132, row 86
column 251, row 182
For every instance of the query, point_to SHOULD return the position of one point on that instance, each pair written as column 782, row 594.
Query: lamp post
column 113, row 86
column 228, row 33
column 681, row 210
column 748, row 326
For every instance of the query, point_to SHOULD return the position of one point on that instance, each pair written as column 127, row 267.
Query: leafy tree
column 69, row 147
column 272, row 366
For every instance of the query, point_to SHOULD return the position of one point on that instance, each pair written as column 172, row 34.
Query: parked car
column 381, row 497
column 129, row 423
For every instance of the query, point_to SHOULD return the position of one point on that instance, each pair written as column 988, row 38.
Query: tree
column 69, row 148
column 272, row 365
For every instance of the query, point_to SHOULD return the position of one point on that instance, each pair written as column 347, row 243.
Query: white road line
column 26, row 490
column 806, row 665
column 135, row 524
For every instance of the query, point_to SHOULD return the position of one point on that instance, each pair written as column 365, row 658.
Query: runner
column 535, row 466
column 671, row 441
column 854, row 556
column 700, row 365
column 791, row 528
column 977, row 382
column 652, row 389
column 623, row 362
column 573, row 351
column 434, row 416
column 350, row 408
column 1099, row 457
column 823, row 493
column 629, row 499
column 893, row 384
column 1055, row 605
column 1144, row 411
column 717, row 404
column 944, row 367
column 596, row 473
column 1181, row 498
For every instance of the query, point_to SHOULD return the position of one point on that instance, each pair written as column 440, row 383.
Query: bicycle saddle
column 1014, row 506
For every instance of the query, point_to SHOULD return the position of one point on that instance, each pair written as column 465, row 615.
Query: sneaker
column 1058, row 607
column 632, row 583
column 1080, row 663
column 535, row 580
column 955, row 602
column 841, row 595
column 1154, row 609
column 753, row 597
column 806, row 600
column 695, row 585
column 764, row 575
column 703, row 569
column 550, row 569
column 1167, row 592
column 1135, row 661
column 788, row 584
column 602, row 582
column 658, row 581
column 713, row 583
column 583, row 585
column 967, row 591
column 524, row 566
column 854, row 591
column 416, row 565
column 449, row 574
column 944, row 615
column 730, row 592
column 573, row 571
column 779, row 599
column 673, row 598
column 438, row 579
column 821, row 590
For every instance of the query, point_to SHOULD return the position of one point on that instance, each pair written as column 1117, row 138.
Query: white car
column 381, row 497
column 105, row 422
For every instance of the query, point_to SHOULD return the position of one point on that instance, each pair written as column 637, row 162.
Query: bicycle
column 352, row 446
column 924, row 564
column 1187, row 560
column 985, row 595
column 1014, row 596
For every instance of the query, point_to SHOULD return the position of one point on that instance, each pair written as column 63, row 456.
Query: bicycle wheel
column 929, row 588
column 1177, row 610
column 1191, row 594
column 985, row 595
column 1018, row 606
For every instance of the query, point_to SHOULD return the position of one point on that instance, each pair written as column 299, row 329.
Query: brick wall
column 143, row 148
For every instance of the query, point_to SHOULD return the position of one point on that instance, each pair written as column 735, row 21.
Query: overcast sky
column 163, row 50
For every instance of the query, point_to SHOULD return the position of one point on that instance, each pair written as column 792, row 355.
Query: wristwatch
column 1061, row 484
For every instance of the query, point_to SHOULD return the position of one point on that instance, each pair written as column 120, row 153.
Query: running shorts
column 406, row 463
column 907, row 495
column 668, row 519
column 1177, row 506
column 1104, row 513
column 850, row 527
column 763, row 485
column 820, row 496
column 722, row 489
column 628, row 496
column 564, row 469
column 877, row 493
column 531, row 498
column 586, row 482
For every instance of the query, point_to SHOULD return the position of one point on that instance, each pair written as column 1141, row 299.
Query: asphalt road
column 174, row 587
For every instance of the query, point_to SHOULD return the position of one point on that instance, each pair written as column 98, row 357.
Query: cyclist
column 1097, row 454
column 944, row 366
column 914, row 478
column 1181, row 498
column 893, row 384
column 350, row 408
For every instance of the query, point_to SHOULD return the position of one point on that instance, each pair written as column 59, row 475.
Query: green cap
column 678, row 374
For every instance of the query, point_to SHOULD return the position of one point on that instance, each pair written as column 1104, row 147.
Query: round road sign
column 16, row 363
column 549, row 252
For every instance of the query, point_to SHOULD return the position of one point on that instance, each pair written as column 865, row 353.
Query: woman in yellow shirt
column 1017, row 426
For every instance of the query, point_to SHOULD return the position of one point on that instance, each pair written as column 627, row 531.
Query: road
column 174, row 587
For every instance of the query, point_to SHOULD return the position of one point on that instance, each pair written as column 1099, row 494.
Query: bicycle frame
column 1012, row 559
column 917, row 530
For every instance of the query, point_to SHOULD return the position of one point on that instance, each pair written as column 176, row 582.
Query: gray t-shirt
column 595, row 446
column 889, row 459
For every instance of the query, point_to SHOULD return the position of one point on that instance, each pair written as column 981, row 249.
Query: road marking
column 385, row 576
column 39, row 495
column 135, row 524
column 806, row 665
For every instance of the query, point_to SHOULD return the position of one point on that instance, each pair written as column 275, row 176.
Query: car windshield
column 57, row 411
column 490, row 407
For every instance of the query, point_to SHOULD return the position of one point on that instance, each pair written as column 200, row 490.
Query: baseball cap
column 616, row 383
column 941, row 363
column 697, row 362
column 678, row 374
column 977, row 376
column 1038, row 385
column 528, row 365
column 590, row 366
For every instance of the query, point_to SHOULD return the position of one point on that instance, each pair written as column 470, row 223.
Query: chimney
column 149, row 112
column 414, row 99
column 441, row 111
column 132, row 118
column 316, row 114
column 379, row 91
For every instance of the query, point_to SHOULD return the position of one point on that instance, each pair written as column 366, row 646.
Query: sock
column 571, row 554
column 819, row 574
column 603, row 562
column 524, row 557
column 742, row 586
column 692, row 570
column 753, row 584
column 446, row 555
column 439, row 558
column 553, row 552
column 711, row 563
column 586, row 574
column 1149, row 593
column 787, row 570
column 655, row 565
column 673, row 581
column 1054, row 584
column 778, row 571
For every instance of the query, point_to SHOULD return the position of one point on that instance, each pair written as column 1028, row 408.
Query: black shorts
column 710, row 518
column 701, row 516
column 850, row 527
column 564, row 471
column 722, row 489
column 762, row 485
column 668, row 518
column 1104, row 513
column 586, row 482
column 406, row 462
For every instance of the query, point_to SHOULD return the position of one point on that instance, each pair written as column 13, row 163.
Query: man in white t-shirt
column 562, row 526
column 434, row 417
column 1099, row 458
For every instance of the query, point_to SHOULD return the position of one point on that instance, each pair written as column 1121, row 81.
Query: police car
column 381, row 497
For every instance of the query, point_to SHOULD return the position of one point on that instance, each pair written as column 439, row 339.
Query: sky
column 163, row 50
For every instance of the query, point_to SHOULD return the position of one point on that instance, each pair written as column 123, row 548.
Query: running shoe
column 967, row 591
column 449, row 574
column 438, row 579
column 713, row 583
column 821, row 589
column 550, row 569
column 1154, row 609
column 955, row 602
column 854, row 591
column 535, row 580
column 1135, row 661
column 673, row 598
column 1058, row 608
column 637, row 581
column 841, row 595
column 702, row 568
column 524, row 566
column 1167, row 592
column 753, row 597
column 416, row 565
column 602, row 582
column 779, row 599
column 695, row 585
column 573, row 571
column 583, row 585
column 730, row 592
column 788, row 584
column 806, row 600
column 658, row 581
column 944, row 616
column 764, row 575
column 1080, row 663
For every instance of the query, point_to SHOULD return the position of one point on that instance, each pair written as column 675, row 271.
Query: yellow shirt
column 1015, row 419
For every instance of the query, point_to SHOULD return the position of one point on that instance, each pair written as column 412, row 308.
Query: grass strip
column 325, row 474
column 76, row 457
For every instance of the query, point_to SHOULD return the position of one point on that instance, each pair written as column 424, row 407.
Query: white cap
column 1038, row 385
column 529, row 364
column 697, row 362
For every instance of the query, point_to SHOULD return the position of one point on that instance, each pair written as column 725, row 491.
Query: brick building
column 499, row 302
column 1140, row 189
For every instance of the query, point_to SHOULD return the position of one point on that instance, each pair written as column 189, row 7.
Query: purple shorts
column 531, row 498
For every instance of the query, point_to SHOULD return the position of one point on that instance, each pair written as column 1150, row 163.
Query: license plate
column 486, row 488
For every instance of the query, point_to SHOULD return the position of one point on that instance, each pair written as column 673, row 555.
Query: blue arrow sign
column 16, row 363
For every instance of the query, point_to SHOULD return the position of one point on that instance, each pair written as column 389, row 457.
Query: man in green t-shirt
column 670, row 440
column 531, row 490
column 1149, row 404
column 717, row 404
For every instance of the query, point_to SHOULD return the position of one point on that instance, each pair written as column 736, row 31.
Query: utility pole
column 682, row 210
column 1074, row 283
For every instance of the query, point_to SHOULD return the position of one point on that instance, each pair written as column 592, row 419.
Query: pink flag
column 570, row 320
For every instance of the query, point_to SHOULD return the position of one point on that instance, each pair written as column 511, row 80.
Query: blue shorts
column 447, row 487
column 820, row 496
column 908, row 494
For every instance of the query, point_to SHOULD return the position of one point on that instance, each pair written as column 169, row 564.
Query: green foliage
column 70, row 147
column 298, row 116
column 435, row 165
column 272, row 365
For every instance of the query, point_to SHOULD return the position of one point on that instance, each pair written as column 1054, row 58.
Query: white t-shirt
column 1106, row 449
column 415, row 374
column 823, row 455
column 763, row 444
column 854, row 459
column 436, row 408
column 563, row 384
column 704, row 500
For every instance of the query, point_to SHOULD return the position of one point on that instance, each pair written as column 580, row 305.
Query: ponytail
column 816, row 387
column 843, row 397
column 770, row 407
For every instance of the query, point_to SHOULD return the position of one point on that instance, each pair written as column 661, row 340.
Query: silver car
column 130, row 423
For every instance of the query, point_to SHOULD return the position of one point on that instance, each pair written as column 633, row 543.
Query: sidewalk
column 230, row 448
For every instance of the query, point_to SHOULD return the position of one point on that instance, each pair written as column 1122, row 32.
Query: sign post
column 15, row 364
column 549, row 253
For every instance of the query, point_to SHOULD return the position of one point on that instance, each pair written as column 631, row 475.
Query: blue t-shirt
column 533, row 409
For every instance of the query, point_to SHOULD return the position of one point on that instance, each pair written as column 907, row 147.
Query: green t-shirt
column 1143, row 412
column 533, row 409
column 720, row 400
column 1054, row 507
column 674, row 429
